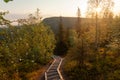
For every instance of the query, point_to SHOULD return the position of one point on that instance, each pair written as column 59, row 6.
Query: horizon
column 18, row 10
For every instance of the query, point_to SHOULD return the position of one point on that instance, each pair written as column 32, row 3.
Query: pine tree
column 80, row 45
column 78, row 26
column 61, row 47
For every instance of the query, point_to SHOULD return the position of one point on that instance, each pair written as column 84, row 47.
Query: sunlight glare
column 98, row 9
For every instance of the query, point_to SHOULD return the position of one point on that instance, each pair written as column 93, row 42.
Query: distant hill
column 68, row 22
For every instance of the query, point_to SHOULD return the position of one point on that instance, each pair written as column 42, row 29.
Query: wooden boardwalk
column 53, row 72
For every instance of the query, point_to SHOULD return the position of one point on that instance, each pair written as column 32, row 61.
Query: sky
column 48, row 8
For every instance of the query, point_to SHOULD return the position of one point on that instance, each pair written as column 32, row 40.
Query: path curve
column 53, row 72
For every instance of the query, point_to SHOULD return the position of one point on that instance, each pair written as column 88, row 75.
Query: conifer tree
column 61, row 47
column 80, row 45
column 78, row 26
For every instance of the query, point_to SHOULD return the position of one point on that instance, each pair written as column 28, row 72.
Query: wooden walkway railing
column 53, row 72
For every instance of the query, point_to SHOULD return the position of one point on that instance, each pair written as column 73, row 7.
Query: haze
column 48, row 8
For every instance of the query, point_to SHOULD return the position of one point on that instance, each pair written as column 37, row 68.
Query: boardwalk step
column 51, row 74
column 54, row 65
column 54, row 77
column 53, row 71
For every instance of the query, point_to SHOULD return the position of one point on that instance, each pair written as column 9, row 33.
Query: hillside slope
column 68, row 22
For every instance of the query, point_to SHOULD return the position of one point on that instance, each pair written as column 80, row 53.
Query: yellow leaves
column 26, row 46
column 35, row 75
column 70, row 65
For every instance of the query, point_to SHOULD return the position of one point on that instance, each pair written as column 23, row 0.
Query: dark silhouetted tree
column 61, row 47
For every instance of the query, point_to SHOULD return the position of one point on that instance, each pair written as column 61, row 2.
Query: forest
column 90, row 46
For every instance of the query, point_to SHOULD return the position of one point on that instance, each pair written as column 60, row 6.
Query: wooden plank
column 53, row 72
